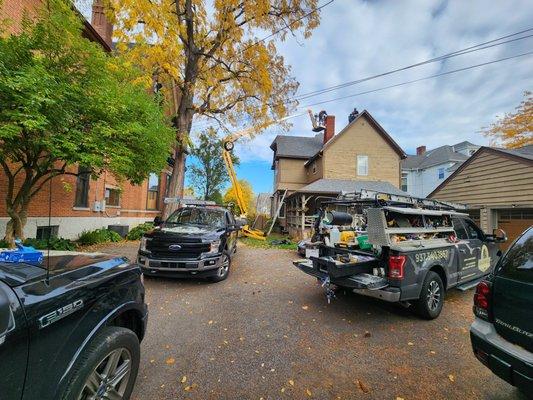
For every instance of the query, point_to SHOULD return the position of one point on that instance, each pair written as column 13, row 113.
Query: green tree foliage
column 64, row 101
column 208, row 173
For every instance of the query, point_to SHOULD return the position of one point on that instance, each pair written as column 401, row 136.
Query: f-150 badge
column 60, row 313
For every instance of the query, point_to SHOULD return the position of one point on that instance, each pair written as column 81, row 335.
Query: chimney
column 420, row 150
column 329, row 132
column 100, row 22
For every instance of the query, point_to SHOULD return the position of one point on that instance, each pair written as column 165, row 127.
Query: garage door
column 514, row 222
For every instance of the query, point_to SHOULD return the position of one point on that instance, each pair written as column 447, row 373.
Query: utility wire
column 467, row 50
column 477, row 47
column 420, row 79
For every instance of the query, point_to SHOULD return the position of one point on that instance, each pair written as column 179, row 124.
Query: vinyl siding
column 491, row 179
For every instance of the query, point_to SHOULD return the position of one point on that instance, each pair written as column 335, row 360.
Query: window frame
column 403, row 177
column 157, row 192
column 358, row 166
column 439, row 171
column 83, row 176
column 119, row 197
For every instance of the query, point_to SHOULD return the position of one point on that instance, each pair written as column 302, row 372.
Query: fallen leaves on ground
column 184, row 379
column 170, row 361
column 362, row 386
column 291, row 382
column 451, row 378
column 308, row 392
column 305, row 307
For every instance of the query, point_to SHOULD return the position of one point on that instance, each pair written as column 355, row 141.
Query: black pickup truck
column 416, row 256
column 72, row 333
column 194, row 241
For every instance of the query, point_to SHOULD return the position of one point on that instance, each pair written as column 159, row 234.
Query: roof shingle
column 335, row 186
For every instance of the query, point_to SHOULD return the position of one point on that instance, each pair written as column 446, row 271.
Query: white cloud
column 358, row 38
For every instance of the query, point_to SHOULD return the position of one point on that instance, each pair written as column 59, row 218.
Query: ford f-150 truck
column 415, row 255
column 194, row 241
column 70, row 328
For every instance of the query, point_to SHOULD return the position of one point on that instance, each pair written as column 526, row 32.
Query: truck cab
column 195, row 241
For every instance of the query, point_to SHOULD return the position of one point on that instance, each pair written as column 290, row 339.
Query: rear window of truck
column 517, row 263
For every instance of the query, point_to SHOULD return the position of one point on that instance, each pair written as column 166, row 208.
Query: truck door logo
column 484, row 259
column 60, row 313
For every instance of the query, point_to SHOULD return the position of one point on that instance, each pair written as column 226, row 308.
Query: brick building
column 78, row 202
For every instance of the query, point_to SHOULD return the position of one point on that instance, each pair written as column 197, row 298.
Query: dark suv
column 192, row 242
column 502, row 333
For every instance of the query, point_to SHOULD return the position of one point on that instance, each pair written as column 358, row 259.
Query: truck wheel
column 223, row 270
column 431, row 299
column 107, row 368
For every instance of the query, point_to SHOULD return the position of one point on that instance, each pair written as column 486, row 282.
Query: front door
column 13, row 345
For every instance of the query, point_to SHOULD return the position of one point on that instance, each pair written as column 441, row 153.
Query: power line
column 420, row 79
column 477, row 47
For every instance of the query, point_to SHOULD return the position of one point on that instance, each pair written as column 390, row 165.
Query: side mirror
column 158, row 221
column 499, row 235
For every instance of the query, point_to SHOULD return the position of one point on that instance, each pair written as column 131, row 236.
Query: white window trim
column 357, row 166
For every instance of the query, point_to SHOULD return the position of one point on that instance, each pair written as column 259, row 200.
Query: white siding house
column 426, row 170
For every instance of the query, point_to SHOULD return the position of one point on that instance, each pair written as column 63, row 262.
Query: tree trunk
column 15, row 226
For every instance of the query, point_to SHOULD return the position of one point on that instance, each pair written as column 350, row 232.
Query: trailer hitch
column 328, row 289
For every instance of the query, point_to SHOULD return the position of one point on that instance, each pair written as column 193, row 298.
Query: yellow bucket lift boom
column 228, row 144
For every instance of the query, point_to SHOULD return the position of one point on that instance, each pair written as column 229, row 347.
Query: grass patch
column 269, row 243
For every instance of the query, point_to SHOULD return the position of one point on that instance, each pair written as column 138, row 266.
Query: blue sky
column 357, row 39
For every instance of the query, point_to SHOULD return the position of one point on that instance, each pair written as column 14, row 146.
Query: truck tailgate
column 360, row 280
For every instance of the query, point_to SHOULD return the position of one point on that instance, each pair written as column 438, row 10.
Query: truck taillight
column 482, row 306
column 396, row 264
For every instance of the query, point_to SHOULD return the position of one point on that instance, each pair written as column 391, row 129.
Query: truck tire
column 431, row 300
column 223, row 270
column 109, row 365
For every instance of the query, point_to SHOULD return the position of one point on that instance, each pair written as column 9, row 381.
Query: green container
column 363, row 242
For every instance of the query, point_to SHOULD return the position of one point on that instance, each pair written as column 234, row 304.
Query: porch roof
column 336, row 186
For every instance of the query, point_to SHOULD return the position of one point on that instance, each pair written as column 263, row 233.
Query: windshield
column 197, row 217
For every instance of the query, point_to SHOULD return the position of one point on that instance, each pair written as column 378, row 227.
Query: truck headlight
column 144, row 242
column 213, row 248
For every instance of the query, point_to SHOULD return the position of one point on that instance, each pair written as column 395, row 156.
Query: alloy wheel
column 109, row 380
column 224, row 268
column 433, row 295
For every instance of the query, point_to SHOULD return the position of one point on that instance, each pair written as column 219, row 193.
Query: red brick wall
column 14, row 10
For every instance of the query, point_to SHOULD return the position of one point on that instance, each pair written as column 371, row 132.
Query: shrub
column 3, row 244
column 55, row 244
column 137, row 232
column 98, row 236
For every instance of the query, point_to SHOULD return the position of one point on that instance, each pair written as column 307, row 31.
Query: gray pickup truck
column 416, row 255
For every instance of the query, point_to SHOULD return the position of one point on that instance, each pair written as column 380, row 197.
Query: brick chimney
column 100, row 22
column 420, row 150
column 329, row 132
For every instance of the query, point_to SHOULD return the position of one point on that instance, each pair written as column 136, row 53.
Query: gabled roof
column 335, row 186
column 297, row 146
column 304, row 147
column 522, row 154
column 440, row 155
column 395, row 146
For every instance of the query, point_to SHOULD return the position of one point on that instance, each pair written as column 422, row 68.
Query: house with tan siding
column 361, row 156
column 497, row 186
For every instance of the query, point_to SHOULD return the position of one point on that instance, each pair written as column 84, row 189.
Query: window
column 112, row 197
column 459, row 228
column 45, row 232
column 153, row 191
column 404, row 181
column 473, row 231
column 82, row 188
column 362, row 165
column 517, row 263
column 441, row 173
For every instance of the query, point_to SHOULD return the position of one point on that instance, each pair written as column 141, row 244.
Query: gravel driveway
column 267, row 332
